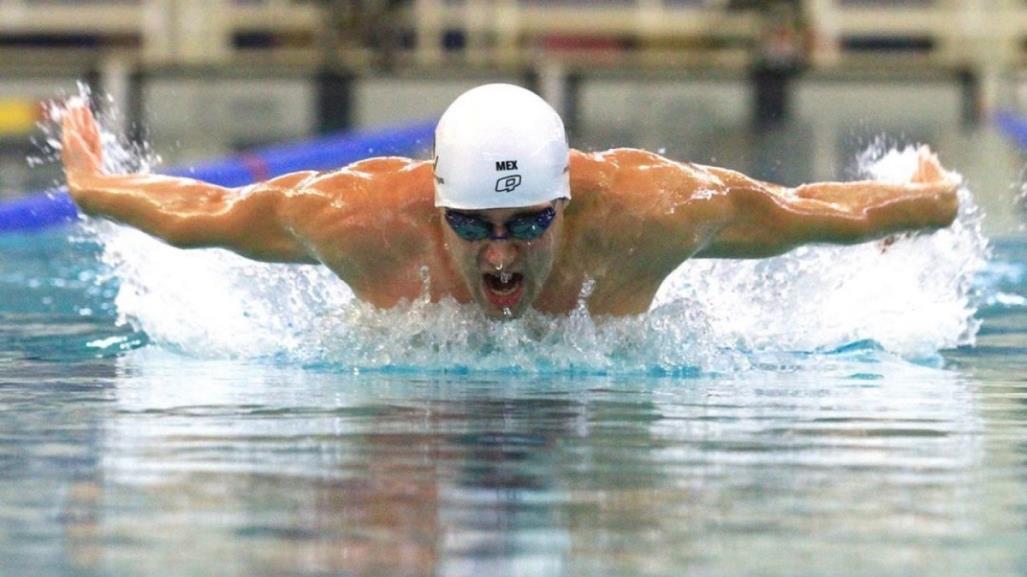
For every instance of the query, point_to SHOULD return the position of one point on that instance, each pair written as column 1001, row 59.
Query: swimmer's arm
column 183, row 212
column 766, row 220
column 188, row 213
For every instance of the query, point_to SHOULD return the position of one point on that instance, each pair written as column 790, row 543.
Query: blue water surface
column 122, row 457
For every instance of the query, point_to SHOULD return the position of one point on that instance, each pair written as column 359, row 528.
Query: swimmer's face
column 505, row 275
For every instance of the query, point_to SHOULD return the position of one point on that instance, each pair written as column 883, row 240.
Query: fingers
column 82, row 146
column 80, row 119
column 78, row 159
column 90, row 131
column 929, row 169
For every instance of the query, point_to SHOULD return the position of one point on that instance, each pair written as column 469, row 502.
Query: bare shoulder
column 607, row 164
column 369, row 210
column 387, row 183
column 367, row 175
column 631, row 181
column 634, row 216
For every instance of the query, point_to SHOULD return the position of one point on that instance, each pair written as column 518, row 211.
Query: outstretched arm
column 766, row 220
column 184, row 212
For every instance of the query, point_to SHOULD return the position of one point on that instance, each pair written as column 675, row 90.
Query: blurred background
column 785, row 90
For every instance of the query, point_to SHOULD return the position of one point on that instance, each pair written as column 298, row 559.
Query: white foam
column 213, row 303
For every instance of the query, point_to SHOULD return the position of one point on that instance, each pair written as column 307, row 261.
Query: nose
column 499, row 254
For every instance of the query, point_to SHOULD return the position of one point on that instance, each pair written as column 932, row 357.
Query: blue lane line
column 1013, row 125
column 37, row 211
column 56, row 207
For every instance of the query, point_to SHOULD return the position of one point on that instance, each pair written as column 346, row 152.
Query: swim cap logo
column 435, row 171
column 508, row 183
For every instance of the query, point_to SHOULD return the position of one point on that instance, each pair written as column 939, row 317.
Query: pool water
column 172, row 413
column 146, row 461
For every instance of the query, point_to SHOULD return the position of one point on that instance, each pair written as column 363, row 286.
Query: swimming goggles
column 524, row 227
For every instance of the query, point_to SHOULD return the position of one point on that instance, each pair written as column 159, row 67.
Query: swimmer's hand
column 184, row 212
column 929, row 169
column 938, row 187
column 82, row 151
column 932, row 176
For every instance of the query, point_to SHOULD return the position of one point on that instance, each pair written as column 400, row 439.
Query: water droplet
column 425, row 284
column 587, row 287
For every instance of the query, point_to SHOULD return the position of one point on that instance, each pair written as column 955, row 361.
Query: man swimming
column 490, row 219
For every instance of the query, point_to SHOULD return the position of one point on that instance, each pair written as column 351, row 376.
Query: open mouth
column 503, row 289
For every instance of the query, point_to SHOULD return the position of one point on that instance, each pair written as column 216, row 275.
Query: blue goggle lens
column 526, row 227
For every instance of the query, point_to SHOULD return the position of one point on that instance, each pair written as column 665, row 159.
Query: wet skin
column 633, row 218
column 505, row 275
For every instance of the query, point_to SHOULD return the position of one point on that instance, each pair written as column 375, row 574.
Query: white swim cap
column 500, row 146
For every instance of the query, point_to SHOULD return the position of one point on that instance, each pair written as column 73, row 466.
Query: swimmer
column 505, row 214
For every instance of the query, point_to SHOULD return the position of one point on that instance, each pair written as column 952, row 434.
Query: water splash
column 912, row 297
column 120, row 154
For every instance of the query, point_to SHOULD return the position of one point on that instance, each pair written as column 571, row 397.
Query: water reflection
column 281, row 471
column 49, row 456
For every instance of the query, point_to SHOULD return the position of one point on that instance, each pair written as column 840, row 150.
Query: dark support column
column 94, row 79
column 334, row 100
column 531, row 80
column 135, row 116
column 970, row 89
column 771, row 88
column 572, row 102
column 779, row 55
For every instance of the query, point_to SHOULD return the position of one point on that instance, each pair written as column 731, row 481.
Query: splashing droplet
column 587, row 288
column 425, row 284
